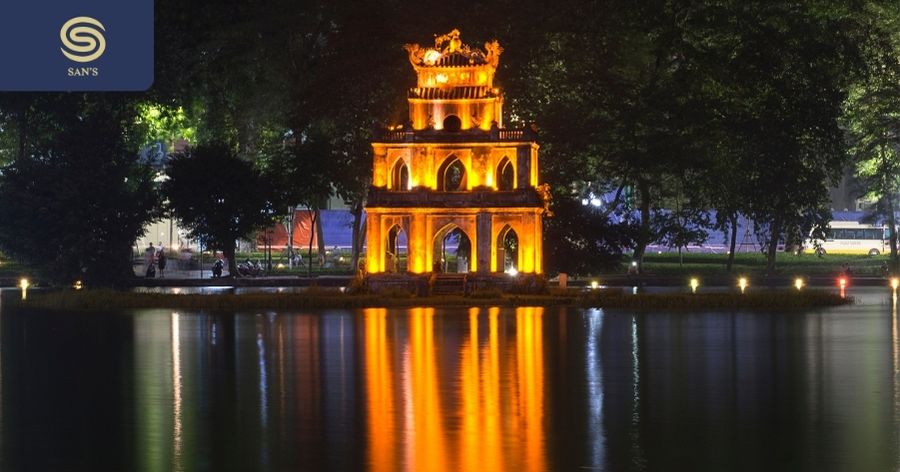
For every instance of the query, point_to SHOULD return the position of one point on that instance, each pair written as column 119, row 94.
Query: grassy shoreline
column 106, row 300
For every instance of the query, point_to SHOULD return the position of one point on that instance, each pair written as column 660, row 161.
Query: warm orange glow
column 424, row 415
column 455, row 80
column 383, row 450
column 481, row 446
column 530, row 357
column 496, row 392
column 432, row 56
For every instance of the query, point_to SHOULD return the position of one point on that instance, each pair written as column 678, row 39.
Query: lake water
column 451, row 389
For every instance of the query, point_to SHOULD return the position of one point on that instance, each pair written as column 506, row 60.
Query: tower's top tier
column 450, row 63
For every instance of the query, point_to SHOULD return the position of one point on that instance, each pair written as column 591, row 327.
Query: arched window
column 452, row 123
column 451, row 175
column 396, row 250
column 400, row 176
column 506, row 175
column 507, row 249
column 452, row 250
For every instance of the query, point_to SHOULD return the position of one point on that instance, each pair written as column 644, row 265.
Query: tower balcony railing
column 479, row 197
column 441, row 136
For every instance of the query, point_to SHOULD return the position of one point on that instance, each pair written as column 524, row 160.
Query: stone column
column 538, row 243
column 418, row 242
column 527, row 244
column 484, row 241
column 381, row 173
column 374, row 251
column 523, row 167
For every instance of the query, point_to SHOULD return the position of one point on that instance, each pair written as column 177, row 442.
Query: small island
column 319, row 298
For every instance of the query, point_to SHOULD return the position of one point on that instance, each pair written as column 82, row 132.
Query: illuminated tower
column 453, row 176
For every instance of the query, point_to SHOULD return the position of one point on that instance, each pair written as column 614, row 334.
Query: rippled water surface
column 451, row 389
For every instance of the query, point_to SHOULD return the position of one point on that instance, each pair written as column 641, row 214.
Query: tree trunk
column 290, row 232
column 356, row 243
column 734, row 228
column 320, row 237
column 888, row 192
column 312, row 235
column 23, row 132
column 892, row 221
column 773, row 246
column 644, row 233
column 229, row 251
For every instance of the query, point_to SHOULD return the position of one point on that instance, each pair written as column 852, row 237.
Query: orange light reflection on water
column 380, row 391
column 480, row 410
column 531, row 384
column 423, row 417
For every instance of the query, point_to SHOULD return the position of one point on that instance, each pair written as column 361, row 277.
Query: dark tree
column 784, row 70
column 872, row 121
column 218, row 197
column 585, row 240
column 75, row 199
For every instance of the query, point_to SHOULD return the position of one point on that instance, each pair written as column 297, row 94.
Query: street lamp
column 24, row 284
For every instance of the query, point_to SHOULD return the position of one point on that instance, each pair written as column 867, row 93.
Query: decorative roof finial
column 449, row 50
column 451, row 40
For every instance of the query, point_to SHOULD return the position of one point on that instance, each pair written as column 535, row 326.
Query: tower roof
column 449, row 51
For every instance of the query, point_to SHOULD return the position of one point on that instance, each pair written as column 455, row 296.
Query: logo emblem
column 82, row 39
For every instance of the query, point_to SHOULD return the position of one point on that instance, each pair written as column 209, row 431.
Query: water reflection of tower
column 476, row 405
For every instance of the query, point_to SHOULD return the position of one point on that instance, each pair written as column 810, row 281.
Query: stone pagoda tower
column 453, row 177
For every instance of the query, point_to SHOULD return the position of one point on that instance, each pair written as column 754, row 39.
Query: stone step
column 447, row 284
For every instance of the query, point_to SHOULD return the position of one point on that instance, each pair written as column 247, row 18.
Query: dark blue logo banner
column 76, row 45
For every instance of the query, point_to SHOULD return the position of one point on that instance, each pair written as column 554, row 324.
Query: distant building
column 847, row 196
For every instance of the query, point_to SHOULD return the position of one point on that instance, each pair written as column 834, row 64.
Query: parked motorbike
column 250, row 269
column 217, row 268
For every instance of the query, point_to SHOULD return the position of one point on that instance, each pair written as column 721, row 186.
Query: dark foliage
column 73, row 203
column 218, row 197
column 580, row 239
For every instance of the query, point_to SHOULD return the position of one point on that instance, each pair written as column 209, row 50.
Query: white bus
column 851, row 237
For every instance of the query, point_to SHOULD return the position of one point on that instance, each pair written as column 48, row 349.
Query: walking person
column 161, row 261
column 150, row 261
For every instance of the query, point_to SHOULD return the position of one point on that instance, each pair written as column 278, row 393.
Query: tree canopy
column 75, row 199
column 218, row 197
column 659, row 111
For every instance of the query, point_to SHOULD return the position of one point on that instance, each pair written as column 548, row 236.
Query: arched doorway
column 507, row 250
column 451, row 175
column 506, row 175
column 400, row 176
column 396, row 250
column 452, row 250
